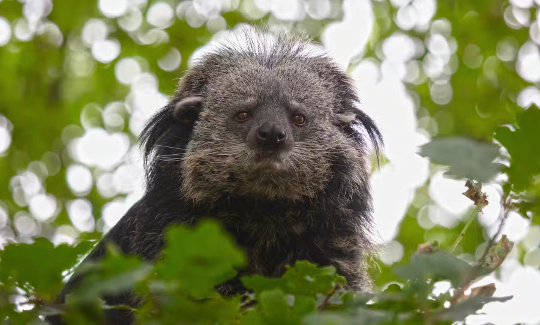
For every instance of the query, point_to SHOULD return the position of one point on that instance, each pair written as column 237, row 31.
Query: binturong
column 266, row 136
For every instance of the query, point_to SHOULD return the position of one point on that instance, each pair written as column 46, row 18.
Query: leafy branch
column 178, row 290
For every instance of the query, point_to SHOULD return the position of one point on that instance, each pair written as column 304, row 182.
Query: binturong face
column 269, row 125
column 262, row 132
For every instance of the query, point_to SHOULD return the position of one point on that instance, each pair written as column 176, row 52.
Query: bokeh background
column 78, row 80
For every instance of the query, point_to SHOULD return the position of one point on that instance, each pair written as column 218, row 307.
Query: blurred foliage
column 179, row 289
column 483, row 108
column 466, row 158
column 482, row 134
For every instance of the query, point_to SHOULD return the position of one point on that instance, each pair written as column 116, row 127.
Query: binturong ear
column 353, row 120
column 188, row 109
column 345, row 119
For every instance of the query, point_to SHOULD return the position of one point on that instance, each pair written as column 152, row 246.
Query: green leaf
column 111, row 275
column 274, row 308
column 302, row 279
column 393, row 288
column 330, row 319
column 360, row 316
column 19, row 265
column 437, row 265
column 114, row 274
column 200, row 258
column 16, row 317
column 87, row 313
column 466, row 158
column 178, row 309
column 260, row 283
column 523, row 146
column 468, row 307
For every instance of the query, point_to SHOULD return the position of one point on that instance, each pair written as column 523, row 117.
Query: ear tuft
column 187, row 110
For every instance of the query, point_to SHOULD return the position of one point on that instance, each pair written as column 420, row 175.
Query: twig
column 329, row 295
column 507, row 209
column 473, row 274
column 462, row 233
column 479, row 198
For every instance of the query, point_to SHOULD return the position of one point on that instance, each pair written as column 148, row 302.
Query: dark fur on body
column 315, row 206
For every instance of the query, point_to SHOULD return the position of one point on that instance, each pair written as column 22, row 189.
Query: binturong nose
column 271, row 136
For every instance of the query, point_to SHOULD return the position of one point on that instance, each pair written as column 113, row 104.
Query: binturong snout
column 271, row 137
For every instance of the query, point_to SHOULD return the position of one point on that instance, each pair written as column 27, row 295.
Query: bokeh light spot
column 79, row 179
column 5, row 31
column 391, row 253
column 80, row 214
column 99, row 148
column 171, row 61
column 94, row 30
column 160, row 15
column 105, row 51
column 126, row 70
column 113, row 8
column 43, row 206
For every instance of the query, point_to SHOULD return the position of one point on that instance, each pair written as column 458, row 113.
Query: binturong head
column 264, row 117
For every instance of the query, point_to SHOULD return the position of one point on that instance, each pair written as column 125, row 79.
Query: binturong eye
column 242, row 116
column 299, row 119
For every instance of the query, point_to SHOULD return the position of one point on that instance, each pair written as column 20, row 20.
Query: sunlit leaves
column 480, row 93
column 176, row 307
column 302, row 279
column 200, row 258
column 37, row 268
column 50, row 83
column 111, row 275
column 194, row 262
column 179, row 288
column 274, row 308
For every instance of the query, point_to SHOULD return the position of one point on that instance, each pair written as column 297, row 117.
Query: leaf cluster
column 180, row 287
